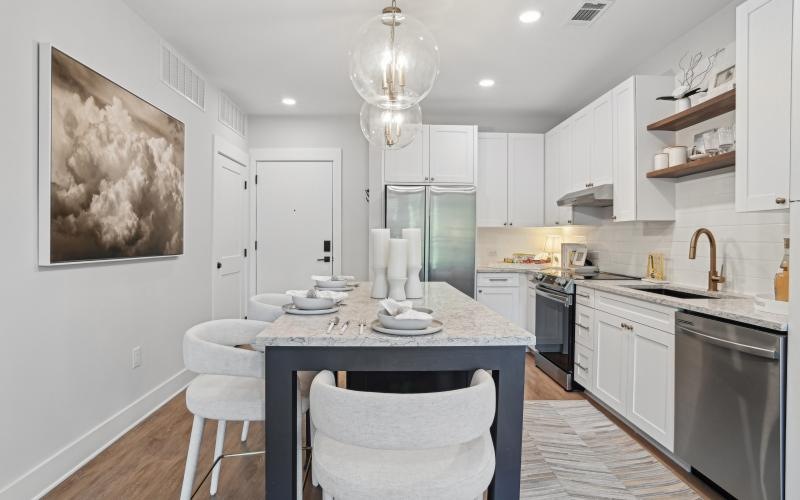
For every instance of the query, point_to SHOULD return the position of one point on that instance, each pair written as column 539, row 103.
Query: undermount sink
column 680, row 294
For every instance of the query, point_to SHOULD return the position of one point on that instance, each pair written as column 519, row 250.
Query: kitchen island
column 473, row 337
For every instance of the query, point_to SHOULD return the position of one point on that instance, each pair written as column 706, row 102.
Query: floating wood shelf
column 707, row 164
column 699, row 113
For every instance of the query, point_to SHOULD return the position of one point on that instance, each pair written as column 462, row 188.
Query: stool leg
column 245, row 428
column 191, row 457
column 217, row 453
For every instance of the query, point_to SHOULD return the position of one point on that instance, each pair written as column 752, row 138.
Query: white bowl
column 332, row 284
column 405, row 324
column 312, row 303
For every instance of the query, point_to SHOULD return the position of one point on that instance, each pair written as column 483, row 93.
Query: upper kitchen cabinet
column 440, row 154
column 591, row 144
column 510, row 180
column 795, row 146
column 763, row 97
column 551, row 181
column 634, row 105
column 452, row 152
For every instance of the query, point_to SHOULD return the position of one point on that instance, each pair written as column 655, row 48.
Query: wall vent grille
column 232, row 115
column 179, row 76
column 589, row 12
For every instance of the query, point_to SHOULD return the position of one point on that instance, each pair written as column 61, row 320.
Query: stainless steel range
column 555, row 321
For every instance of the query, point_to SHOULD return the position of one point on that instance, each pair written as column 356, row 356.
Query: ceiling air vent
column 589, row 12
column 179, row 76
column 231, row 115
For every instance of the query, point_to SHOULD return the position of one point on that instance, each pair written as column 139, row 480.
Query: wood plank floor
column 148, row 461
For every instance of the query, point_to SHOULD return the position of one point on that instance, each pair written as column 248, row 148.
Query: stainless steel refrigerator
column 446, row 216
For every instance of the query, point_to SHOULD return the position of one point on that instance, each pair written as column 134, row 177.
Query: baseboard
column 48, row 474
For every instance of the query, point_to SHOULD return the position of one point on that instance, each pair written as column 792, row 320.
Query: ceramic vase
column 397, row 271
column 414, row 285
column 380, row 260
column 683, row 104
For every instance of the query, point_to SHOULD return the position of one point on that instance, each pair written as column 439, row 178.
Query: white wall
column 329, row 132
column 66, row 383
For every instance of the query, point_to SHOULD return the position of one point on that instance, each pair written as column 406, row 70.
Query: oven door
column 555, row 327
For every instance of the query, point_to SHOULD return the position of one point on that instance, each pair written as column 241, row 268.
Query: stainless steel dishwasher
column 730, row 410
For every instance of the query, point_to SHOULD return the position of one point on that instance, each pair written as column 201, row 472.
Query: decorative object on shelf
column 110, row 168
column 397, row 272
column 394, row 60
column 724, row 81
column 678, row 155
column 413, row 285
column 706, row 164
column 390, row 128
column 711, row 142
column 660, row 160
column 380, row 261
column 726, row 139
column 691, row 79
column 552, row 246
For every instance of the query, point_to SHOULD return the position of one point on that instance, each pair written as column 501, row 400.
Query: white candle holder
column 397, row 272
column 380, row 261
column 380, row 286
column 397, row 288
column 413, row 284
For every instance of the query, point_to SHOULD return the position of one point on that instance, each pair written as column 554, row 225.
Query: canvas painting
column 111, row 170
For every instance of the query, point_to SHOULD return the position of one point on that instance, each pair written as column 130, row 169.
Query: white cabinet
column 525, row 180
column 510, row 180
column 530, row 313
column 584, row 326
column 565, row 170
column 763, row 97
column 581, row 147
column 600, row 169
column 505, row 294
column 795, row 146
column 634, row 106
column 452, row 154
column 611, row 361
column 633, row 366
column 651, row 401
column 492, row 199
column 552, row 152
column 441, row 154
column 583, row 366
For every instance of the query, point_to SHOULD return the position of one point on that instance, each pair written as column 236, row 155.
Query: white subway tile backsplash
column 750, row 245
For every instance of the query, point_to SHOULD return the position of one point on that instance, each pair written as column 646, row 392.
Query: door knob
column 324, row 259
column 219, row 265
column 780, row 201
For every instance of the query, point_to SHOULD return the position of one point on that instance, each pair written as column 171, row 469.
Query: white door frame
column 227, row 149
column 333, row 155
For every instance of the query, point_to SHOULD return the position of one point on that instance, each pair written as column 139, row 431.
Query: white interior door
column 295, row 216
column 230, row 223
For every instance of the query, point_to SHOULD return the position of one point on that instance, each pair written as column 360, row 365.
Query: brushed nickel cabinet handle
column 780, row 200
column 584, row 295
column 580, row 366
column 581, row 326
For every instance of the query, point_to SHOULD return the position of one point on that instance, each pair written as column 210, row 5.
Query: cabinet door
column 525, row 180
column 651, row 403
column 452, row 154
column 565, row 171
column 584, row 326
column 763, row 97
column 581, row 147
column 530, row 318
column 624, row 150
column 583, row 367
column 409, row 164
column 612, row 341
column 503, row 300
column 492, row 201
column 552, row 151
column 602, row 137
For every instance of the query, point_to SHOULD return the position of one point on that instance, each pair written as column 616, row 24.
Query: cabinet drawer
column 498, row 279
column 639, row 311
column 583, row 372
column 584, row 296
column 584, row 326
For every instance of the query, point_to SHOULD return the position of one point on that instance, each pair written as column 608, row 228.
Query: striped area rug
column 571, row 450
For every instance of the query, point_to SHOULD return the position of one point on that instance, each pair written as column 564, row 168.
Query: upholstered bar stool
column 371, row 445
column 230, row 387
column 267, row 306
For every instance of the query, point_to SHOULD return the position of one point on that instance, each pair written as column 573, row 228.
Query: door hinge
column 245, row 184
column 245, row 252
column 256, row 245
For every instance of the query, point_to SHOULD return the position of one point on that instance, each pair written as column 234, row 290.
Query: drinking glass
column 725, row 139
column 711, row 142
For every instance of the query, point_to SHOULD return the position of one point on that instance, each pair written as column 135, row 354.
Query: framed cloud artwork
column 111, row 168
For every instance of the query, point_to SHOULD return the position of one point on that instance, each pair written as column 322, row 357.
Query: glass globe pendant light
column 394, row 60
column 390, row 128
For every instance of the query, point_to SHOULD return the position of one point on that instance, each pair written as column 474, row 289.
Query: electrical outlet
column 136, row 357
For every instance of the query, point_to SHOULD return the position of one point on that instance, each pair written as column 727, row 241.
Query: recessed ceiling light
column 288, row 101
column 486, row 82
column 530, row 16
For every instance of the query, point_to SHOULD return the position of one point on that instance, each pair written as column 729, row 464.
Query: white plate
column 436, row 326
column 291, row 309
column 330, row 289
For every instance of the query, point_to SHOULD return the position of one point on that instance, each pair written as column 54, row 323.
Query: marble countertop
column 466, row 323
column 513, row 268
column 728, row 306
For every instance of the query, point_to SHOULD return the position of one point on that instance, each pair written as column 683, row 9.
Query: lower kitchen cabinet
column 583, row 366
column 504, row 294
column 611, row 361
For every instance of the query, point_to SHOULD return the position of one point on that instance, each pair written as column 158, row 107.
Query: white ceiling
column 259, row 51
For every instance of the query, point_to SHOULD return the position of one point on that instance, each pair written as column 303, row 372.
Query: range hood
column 595, row 196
